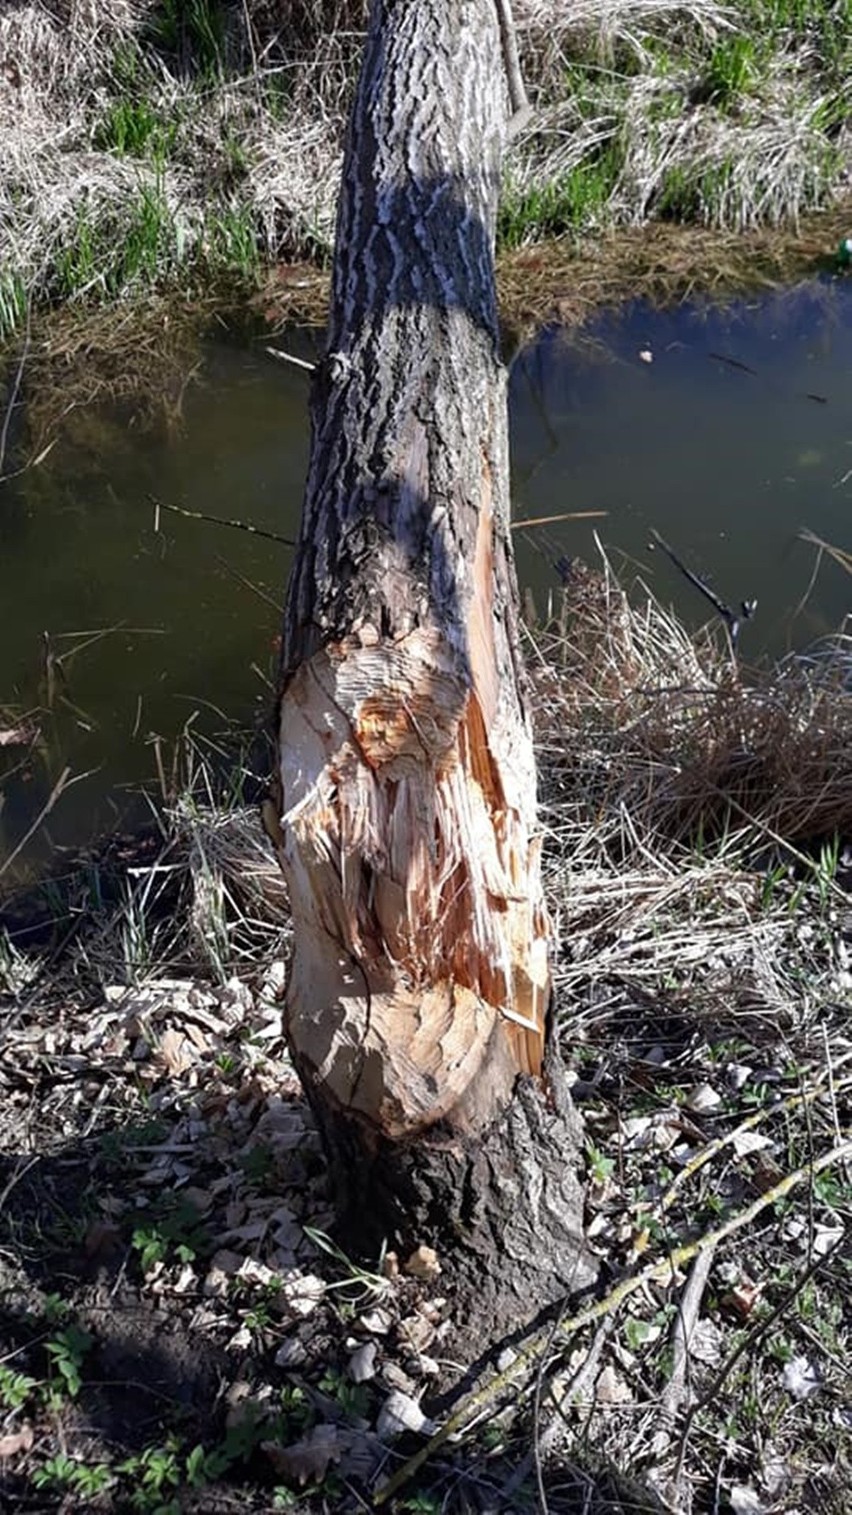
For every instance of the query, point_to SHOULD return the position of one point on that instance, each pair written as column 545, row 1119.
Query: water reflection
column 724, row 430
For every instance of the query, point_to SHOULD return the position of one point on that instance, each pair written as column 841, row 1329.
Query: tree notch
column 417, row 1005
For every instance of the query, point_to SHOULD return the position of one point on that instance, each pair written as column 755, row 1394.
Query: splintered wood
column 420, row 979
column 421, row 963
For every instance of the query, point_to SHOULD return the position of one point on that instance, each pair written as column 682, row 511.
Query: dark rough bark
column 417, row 1005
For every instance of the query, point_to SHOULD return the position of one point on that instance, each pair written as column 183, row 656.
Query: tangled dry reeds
column 645, row 719
column 699, row 814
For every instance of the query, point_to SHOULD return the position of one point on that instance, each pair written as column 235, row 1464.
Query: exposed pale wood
column 420, row 982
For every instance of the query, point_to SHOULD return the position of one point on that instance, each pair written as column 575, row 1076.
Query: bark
column 417, row 1006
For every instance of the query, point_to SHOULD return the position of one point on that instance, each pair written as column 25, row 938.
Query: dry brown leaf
column 176, row 1052
column 308, row 1458
column 741, row 1300
column 17, row 1441
column 611, row 1388
column 423, row 1263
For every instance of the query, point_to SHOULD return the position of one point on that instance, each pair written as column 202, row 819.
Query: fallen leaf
column 378, row 1322
column 17, row 736
column 611, row 1388
column 826, row 1238
column 417, row 1332
column 705, row 1343
column 16, row 1441
column 400, row 1413
column 744, row 1500
column 308, row 1458
column 291, row 1354
column 175, row 1052
column 396, row 1378
column 741, row 1300
column 745, row 1142
column 303, row 1292
column 738, row 1074
column 801, row 1378
column 423, row 1263
column 705, row 1097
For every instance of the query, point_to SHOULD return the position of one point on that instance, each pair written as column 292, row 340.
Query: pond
column 725, row 430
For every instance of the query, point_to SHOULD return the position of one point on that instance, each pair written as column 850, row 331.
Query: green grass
column 573, row 203
column 733, row 71
column 136, row 129
column 13, row 302
column 192, row 33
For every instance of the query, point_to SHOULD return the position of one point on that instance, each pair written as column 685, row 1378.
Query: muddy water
column 724, row 430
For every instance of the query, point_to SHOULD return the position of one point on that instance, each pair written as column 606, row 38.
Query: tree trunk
column 417, row 1007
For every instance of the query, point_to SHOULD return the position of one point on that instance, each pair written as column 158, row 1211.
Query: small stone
column 362, row 1364
column 400, row 1413
column 290, row 1354
column 396, row 1378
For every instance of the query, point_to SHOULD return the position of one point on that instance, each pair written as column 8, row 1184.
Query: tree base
column 504, row 1211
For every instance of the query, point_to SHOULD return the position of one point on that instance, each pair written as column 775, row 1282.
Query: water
column 717, row 442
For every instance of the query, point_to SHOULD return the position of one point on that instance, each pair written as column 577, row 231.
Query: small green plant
column 359, row 1283
column 203, row 1467
column 353, row 1398
column 601, row 1167
column 636, row 1332
column 135, row 129
column 156, row 1472
column 571, row 203
column 427, row 1504
column 76, row 1478
column 176, row 1233
column 295, row 1408
column 284, row 1499
column 15, row 1388
column 67, row 1351
column 258, row 1164
column 232, row 241
column 732, row 71
column 192, row 30
column 13, row 303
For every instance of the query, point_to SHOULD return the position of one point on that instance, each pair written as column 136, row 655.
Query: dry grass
column 136, row 155
column 703, row 991
column 695, row 809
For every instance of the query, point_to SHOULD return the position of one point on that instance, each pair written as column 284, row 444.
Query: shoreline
column 151, row 157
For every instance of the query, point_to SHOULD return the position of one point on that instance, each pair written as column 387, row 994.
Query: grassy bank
column 179, row 1334
column 149, row 144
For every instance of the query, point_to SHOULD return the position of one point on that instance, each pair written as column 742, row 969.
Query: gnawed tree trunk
column 417, row 1008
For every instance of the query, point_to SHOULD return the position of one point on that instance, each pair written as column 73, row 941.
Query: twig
column 573, row 1391
column 730, row 619
column 659, row 1272
column 61, row 783
column 684, row 1327
column 521, row 108
column 288, row 357
column 247, row 584
column 837, row 553
column 782, row 1107
column 200, row 515
column 567, row 515
column 751, row 1339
